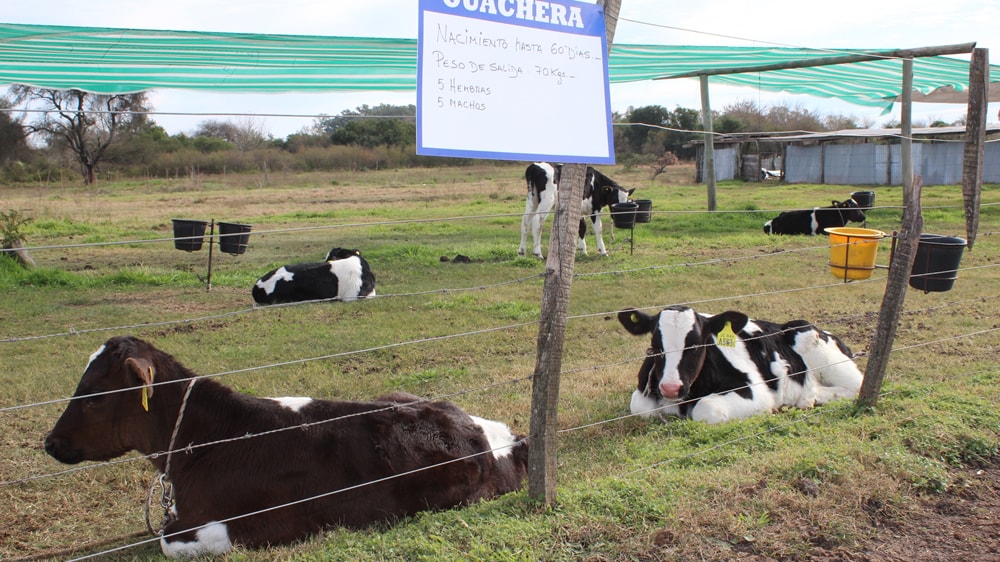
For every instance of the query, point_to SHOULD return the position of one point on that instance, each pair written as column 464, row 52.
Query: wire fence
column 519, row 379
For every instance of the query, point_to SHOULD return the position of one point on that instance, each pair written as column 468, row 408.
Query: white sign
column 513, row 80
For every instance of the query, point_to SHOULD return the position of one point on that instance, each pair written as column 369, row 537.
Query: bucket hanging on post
column 623, row 214
column 189, row 235
column 936, row 266
column 864, row 199
column 234, row 237
column 643, row 212
column 853, row 252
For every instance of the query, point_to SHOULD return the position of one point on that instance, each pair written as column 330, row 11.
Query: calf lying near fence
column 815, row 221
column 339, row 463
column 345, row 275
column 727, row 366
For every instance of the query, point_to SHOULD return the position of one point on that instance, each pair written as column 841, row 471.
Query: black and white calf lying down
column 815, row 221
column 599, row 191
column 728, row 366
column 345, row 275
column 338, row 463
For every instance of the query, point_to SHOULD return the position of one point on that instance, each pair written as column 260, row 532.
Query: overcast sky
column 842, row 24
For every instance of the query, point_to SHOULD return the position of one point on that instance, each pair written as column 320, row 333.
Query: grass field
column 785, row 486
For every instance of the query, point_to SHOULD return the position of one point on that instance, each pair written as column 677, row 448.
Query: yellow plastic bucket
column 853, row 251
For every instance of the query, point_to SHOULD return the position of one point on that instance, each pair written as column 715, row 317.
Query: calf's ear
column 737, row 321
column 143, row 370
column 636, row 321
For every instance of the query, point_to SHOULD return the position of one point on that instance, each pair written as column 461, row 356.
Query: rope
column 162, row 479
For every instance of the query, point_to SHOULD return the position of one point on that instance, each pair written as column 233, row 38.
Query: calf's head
column 850, row 210
column 610, row 192
column 680, row 341
column 110, row 405
column 341, row 253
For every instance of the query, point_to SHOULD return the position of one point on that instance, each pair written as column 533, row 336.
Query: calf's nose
column 671, row 390
column 59, row 449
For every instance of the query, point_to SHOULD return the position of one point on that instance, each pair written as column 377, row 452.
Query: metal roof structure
column 917, row 133
column 116, row 61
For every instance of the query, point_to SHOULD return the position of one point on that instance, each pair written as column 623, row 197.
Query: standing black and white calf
column 727, row 366
column 816, row 220
column 345, row 275
column 599, row 191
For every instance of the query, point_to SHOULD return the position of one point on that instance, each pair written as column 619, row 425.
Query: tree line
column 47, row 135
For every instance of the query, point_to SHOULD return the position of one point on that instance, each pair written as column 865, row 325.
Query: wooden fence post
column 551, row 330
column 902, row 260
column 975, row 123
column 552, row 324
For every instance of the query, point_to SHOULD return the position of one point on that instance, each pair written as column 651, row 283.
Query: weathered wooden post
column 706, row 118
column 551, row 331
column 902, row 259
column 552, row 325
column 975, row 123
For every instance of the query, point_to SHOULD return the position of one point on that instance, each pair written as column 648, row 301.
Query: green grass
column 627, row 488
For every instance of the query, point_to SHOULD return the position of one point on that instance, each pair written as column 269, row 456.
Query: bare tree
column 245, row 134
column 85, row 124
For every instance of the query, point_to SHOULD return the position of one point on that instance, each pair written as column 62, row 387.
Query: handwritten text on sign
column 513, row 80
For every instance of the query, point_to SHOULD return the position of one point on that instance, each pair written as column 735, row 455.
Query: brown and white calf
column 599, row 191
column 716, row 368
column 343, row 463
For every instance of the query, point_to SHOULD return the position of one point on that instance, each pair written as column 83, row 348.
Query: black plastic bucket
column 864, row 199
column 644, row 212
column 234, row 237
column 936, row 266
column 623, row 214
column 189, row 235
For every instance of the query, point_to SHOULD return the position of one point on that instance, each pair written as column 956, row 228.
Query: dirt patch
column 963, row 525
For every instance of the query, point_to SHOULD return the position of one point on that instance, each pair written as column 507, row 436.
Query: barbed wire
column 462, row 392
column 807, row 416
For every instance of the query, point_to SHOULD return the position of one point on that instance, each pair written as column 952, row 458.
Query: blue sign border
column 592, row 25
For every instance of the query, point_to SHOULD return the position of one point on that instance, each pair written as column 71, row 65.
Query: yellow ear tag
column 634, row 317
column 726, row 337
column 145, row 395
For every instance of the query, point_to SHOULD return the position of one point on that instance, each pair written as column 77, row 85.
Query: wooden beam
column 828, row 61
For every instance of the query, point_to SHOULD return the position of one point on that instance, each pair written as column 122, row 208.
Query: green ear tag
column 726, row 337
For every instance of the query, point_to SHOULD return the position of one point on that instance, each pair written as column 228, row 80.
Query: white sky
column 841, row 24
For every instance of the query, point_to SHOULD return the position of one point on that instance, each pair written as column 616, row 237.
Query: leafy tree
column 382, row 125
column 653, row 115
column 669, row 131
column 13, row 142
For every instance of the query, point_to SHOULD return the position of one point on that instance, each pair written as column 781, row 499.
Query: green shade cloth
column 117, row 61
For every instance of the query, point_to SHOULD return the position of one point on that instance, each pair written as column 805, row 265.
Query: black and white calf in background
column 716, row 368
column 599, row 191
column 814, row 221
column 345, row 275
